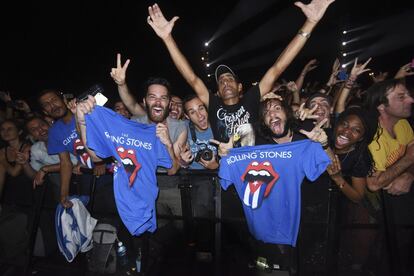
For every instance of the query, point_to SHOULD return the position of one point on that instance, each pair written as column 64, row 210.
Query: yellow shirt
column 387, row 150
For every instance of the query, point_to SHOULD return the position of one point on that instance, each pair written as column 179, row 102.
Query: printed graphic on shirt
column 80, row 151
column 130, row 163
column 258, row 181
column 229, row 121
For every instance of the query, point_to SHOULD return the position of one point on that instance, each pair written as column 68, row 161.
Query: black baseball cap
column 223, row 69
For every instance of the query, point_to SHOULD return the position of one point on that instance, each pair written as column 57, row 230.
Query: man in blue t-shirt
column 268, row 179
column 137, row 150
column 63, row 139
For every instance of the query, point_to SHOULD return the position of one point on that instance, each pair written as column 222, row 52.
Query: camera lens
column 207, row 155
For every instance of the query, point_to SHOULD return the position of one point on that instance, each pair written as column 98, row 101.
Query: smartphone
column 95, row 91
column 100, row 99
column 68, row 96
column 342, row 75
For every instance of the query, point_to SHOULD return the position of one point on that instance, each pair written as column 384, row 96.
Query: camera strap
column 192, row 132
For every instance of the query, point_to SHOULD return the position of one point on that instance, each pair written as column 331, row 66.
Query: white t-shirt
column 39, row 156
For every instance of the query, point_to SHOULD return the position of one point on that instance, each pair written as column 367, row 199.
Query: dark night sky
column 71, row 45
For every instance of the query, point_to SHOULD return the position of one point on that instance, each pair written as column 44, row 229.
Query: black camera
column 205, row 153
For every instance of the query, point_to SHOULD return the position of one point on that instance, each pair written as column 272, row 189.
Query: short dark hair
column 377, row 94
column 31, row 119
column 188, row 98
column 46, row 91
column 159, row 81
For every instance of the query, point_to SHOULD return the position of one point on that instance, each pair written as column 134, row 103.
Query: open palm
column 157, row 21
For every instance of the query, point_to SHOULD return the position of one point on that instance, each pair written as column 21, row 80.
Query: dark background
column 70, row 45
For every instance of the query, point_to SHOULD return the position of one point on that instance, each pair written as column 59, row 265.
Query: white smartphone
column 100, row 99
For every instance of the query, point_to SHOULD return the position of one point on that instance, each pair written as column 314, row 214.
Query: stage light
column 202, row 58
column 344, row 54
column 344, row 32
column 208, row 64
column 343, row 43
column 371, row 74
column 209, row 75
column 343, row 65
column 206, row 44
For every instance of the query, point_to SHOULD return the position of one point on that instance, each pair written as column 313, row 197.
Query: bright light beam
column 242, row 12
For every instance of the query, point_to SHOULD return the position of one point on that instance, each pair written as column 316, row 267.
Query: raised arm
column 118, row 74
column 163, row 29
column 312, row 64
column 356, row 70
column 314, row 11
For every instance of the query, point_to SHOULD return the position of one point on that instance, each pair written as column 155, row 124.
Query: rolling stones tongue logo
column 259, row 179
column 80, row 151
column 130, row 163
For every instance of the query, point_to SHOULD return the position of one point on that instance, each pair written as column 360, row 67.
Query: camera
column 205, row 153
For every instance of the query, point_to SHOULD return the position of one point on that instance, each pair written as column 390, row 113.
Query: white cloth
column 74, row 228
column 39, row 156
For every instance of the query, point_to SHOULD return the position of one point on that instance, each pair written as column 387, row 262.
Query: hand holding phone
column 97, row 92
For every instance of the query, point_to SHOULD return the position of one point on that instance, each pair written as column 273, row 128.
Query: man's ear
column 381, row 107
column 145, row 103
column 240, row 87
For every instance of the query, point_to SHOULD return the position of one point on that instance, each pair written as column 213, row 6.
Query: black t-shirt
column 354, row 163
column 224, row 119
column 269, row 141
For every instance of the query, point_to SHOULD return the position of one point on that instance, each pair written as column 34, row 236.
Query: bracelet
column 304, row 34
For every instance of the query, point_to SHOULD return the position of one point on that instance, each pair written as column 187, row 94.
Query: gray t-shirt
column 175, row 128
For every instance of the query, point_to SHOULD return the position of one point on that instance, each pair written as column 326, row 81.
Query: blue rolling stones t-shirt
column 64, row 138
column 268, row 179
column 138, row 152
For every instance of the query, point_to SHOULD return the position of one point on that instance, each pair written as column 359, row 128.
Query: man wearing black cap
column 228, row 110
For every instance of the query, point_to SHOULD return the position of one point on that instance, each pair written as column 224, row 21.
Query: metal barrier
column 332, row 223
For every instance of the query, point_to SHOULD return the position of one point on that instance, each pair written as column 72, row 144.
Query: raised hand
column 358, row 69
column 23, row 106
column 159, row 24
column 404, row 71
column 380, row 77
column 118, row 74
column 83, row 108
column 317, row 134
column 185, row 155
column 315, row 10
column 312, row 64
column 334, row 169
column 5, row 96
column 223, row 148
column 304, row 113
column 162, row 133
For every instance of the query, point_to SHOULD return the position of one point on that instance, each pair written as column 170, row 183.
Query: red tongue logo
column 258, row 174
column 130, row 163
column 80, row 151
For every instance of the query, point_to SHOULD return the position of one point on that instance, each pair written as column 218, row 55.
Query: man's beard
column 158, row 118
column 285, row 132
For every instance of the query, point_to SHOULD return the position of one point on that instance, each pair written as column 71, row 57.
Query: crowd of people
column 356, row 140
